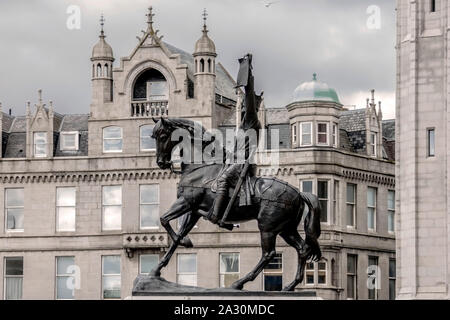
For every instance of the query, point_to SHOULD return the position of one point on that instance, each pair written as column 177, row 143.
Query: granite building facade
column 422, row 129
column 81, row 195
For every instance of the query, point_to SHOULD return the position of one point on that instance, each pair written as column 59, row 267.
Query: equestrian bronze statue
column 233, row 191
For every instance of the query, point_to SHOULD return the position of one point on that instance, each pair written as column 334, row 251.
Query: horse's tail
column 312, row 224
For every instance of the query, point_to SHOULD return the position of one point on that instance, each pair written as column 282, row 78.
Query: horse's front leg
column 180, row 207
column 187, row 226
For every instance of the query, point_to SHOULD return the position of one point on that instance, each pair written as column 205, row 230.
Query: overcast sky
column 290, row 40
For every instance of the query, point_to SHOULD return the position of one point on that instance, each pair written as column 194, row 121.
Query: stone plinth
column 157, row 288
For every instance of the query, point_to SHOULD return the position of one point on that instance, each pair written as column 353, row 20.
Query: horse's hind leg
column 185, row 229
column 268, row 252
column 293, row 239
column 180, row 207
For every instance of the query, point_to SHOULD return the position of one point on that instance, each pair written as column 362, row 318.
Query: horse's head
column 162, row 133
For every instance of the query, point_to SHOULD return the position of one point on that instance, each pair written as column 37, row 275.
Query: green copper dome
column 315, row 91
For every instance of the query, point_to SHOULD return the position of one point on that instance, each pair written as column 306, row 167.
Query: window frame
column 104, row 139
column 374, row 229
column 35, row 154
column 63, row 147
column 111, row 274
column 61, row 206
column 5, row 276
column 273, row 272
column 326, row 134
column 311, row 134
column 392, row 278
column 328, row 181
column 334, row 135
column 225, row 272
column 150, row 203
column 433, row 6
column 325, row 271
column 6, row 207
column 65, row 275
column 353, row 204
column 377, row 264
column 391, row 213
column 354, row 277
column 373, row 144
column 141, row 137
column 115, row 205
column 188, row 273
column 431, row 146
column 309, row 271
column 294, row 134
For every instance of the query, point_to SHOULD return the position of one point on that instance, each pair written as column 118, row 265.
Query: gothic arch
column 143, row 66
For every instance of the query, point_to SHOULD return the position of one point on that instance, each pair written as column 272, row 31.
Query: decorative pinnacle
column 102, row 23
column 40, row 96
column 205, row 17
column 150, row 15
column 314, row 76
column 373, row 96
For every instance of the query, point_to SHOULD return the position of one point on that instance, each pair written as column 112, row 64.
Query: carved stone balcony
column 154, row 108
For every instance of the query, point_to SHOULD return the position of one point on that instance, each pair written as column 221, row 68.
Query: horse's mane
column 192, row 127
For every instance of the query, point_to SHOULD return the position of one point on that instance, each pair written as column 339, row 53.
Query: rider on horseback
column 244, row 145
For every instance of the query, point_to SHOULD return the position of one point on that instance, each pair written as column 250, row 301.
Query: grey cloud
column 290, row 40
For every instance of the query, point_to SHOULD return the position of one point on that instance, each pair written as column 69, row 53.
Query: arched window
column 99, row 70
column 202, row 65
column 106, row 71
column 150, row 86
column 196, row 65
column 147, row 142
column 93, row 71
column 209, row 66
column 112, row 139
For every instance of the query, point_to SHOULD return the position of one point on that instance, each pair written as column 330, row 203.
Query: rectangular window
column 148, row 262
column 371, row 208
column 322, row 133
column 69, row 141
column 147, row 142
column 13, row 278
column 334, row 136
column 432, row 5
column 392, row 278
column 307, row 186
column 322, row 194
column 14, row 207
column 352, row 261
column 112, row 139
column 229, row 269
column 65, row 209
column 149, row 206
column 373, row 292
column 294, row 134
column 309, row 273
column 306, row 133
column 351, row 205
column 335, row 201
column 65, row 277
column 111, row 279
column 391, row 211
column 273, row 274
column 321, row 272
column 431, row 143
column 112, row 207
column 40, row 144
column 373, row 144
column 187, row 269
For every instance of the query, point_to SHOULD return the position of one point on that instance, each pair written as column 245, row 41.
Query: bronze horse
column 277, row 207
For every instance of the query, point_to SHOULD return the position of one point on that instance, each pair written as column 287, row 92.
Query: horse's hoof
column 288, row 289
column 186, row 242
column 237, row 286
column 155, row 273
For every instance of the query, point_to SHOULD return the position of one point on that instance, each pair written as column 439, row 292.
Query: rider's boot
column 220, row 204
